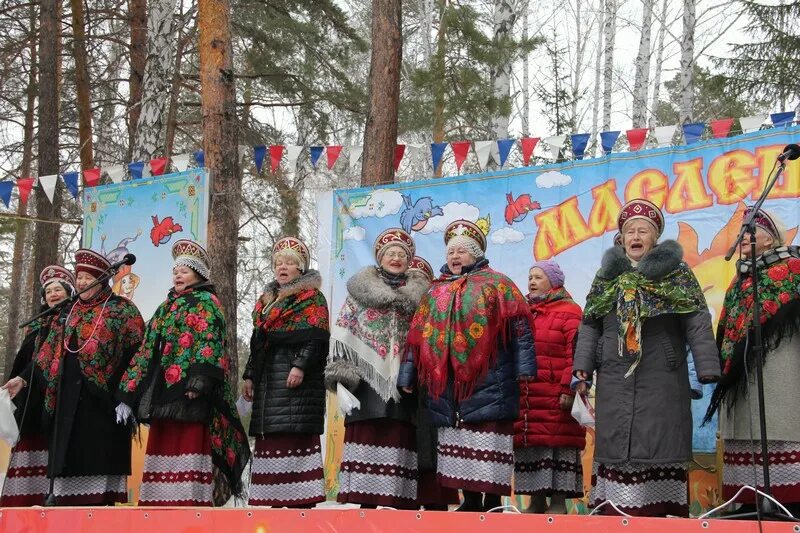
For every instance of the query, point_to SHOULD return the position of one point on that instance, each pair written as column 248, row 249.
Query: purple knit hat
column 552, row 271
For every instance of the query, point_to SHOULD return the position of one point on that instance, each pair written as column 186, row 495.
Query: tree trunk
column 157, row 79
column 526, row 92
column 138, row 52
column 220, row 143
column 687, row 61
column 597, row 63
column 438, row 70
column 505, row 14
column 46, row 247
column 608, row 60
column 380, row 133
column 105, row 150
column 82, row 85
column 642, row 79
column 175, row 91
column 577, row 72
column 662, row 32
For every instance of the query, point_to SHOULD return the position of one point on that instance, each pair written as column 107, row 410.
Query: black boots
column 476, row 502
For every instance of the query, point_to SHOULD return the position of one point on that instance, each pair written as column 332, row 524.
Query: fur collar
column 368, row 289
column 657, row 263
column 274, row 291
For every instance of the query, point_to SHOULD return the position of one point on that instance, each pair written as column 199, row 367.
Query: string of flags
column 499, row 150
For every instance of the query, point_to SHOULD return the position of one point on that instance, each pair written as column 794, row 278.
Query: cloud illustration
column 506, row 235
column 354, row 233
column 380, row 203
column 552, row 178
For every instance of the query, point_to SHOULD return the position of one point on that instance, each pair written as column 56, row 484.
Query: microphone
column 790, row 152
column 128, row 259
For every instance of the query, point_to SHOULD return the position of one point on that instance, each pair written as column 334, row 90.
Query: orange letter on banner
column 730, row 176
column 650, row 184
column 688, row 192
column 606, row 208
column 559, row 228
column 788, row 186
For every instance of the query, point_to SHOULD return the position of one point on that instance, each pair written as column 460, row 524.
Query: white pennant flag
column 48, row 183
column 147, row 171
column 243, row 151
column 416, row 147
column 355, row 154
column 664, row 134
column 555, row 142
column 752, row 123
column 483, row 150
column 181, row 161
column 292, row 153
column 115, row 173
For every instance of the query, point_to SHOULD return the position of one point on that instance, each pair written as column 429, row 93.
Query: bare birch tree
column 687, row 61
column 504, row 17
column 609, row 31
column 642, row 78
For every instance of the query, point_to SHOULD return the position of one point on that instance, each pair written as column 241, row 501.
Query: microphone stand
column 60, row 308
column 765, row 508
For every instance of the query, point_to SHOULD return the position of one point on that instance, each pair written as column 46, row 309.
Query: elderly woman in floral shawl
column 644, row 306
column 471, row 341
column 178, row 381
column 379, row 461
column 779, row 296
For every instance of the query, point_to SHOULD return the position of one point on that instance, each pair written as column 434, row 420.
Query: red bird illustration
column 517, row 210
column 162, row 231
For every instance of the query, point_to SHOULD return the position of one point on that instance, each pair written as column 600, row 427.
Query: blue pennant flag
column 504, row 147
column 259, row 151
column 579, row 142
column 200, row 157
column 783, row 118
column 71, row 181
column 693, row 132
column 5, row 191
column 316, row 152
column 136, row 168
column 607, row 140
column 437, row 152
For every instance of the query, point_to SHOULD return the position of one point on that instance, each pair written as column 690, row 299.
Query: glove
column 124, row 413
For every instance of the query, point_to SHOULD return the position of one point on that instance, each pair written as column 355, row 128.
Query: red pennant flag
column 25, row 185
column 399, row 151
column 333, row 152
column 636, row 138
column 720, row 128
column 275, row 155
column 91, row 176
column 528, row 145
column 158, row 166
column 460, row 151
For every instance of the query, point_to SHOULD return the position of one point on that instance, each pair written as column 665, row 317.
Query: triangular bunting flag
column 483, row 149
column 503, row 149
column 158, row 166
column 48, row 184
column 721, row 127
column 91, row 177
column 415, row 147
column 200, row 157
column 5, row 191
column 243, row 151
column 275, row 155
column 292, row 153
column 752, row 123
column 399, row 152
column 579, row 142
column 332, row 154
column 136, row 168
column 528, row 145
column 181, row 162
column 784, row 118
column 460, row 151
column 71, row 182
column 355, row 154
column 259, row 152
column 555, row 142
column 636, row 138
column 664, row 135
column 25, row 185
column 116, row 173
column 607, row 140
column 316, row 152
column 692, row 132
column 437, row 152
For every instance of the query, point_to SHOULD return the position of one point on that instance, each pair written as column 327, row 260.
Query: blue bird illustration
column 415, row 216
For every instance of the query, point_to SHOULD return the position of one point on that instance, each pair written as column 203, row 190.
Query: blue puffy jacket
column 496, row 396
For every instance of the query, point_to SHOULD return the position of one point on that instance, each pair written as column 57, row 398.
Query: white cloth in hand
column 124, row 413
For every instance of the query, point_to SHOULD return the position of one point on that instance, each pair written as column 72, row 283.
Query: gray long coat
column 646, row 417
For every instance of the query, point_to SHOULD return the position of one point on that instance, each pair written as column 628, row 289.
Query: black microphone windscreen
column 130, row 259
column 792, row 151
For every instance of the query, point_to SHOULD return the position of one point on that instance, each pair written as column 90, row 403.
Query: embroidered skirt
column 477, row 457
column 177, row 465
column 431, row 493
column 91, row 490
column 287, row 470
column 784, row 469
column 26, row 482
column 641, row 489
column 379, row 464
column 540, row 470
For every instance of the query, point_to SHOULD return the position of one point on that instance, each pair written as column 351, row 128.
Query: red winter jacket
column 541, row 422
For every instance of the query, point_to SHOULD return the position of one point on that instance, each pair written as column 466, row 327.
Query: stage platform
column 197, row 520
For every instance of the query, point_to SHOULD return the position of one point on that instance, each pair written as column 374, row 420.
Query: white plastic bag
column 243, row 406
column 9, row 431
column 582, row 411
column 347, row 402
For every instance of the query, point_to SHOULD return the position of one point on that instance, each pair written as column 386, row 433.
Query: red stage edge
column 195, row 520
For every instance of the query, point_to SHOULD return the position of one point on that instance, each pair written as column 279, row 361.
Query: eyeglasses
column 397, row 255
